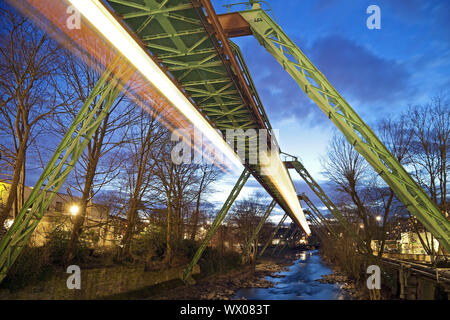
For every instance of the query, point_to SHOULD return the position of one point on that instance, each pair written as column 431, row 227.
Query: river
column 298, row 282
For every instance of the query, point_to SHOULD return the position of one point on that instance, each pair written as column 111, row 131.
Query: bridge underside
column 187, row 40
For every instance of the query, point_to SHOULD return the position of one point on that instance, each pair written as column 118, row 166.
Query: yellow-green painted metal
column 255, row 232
column 274, row 232
column 288, row 239
column 88, row 119
column 314, row 211
column 318, row 88
column 286, row 236
column 217, row 221
column 315, row 187
column 178, row 35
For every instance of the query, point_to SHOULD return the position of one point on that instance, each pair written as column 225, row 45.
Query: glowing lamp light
column 361, row 226
column 8, row 223
column 74, row 209
column 378, row 218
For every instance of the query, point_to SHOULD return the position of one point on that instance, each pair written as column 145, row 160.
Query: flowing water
column 298, row 282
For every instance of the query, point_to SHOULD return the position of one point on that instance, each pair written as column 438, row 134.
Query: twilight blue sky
column 379, row 72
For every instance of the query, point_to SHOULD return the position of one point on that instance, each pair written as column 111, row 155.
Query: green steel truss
column 217, row 221
column 314, row 212
column 315, row 187
column 177, row 33
column 358, row 133
column 274, row 232
column 88, row 119
column 290, row 233
column 292, row 237
column 258, row 228
column 286, row 235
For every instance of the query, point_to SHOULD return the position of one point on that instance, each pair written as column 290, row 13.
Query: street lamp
column 74, row 209
column 378, row 218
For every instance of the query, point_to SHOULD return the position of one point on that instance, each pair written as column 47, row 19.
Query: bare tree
column 208, row 174
column 144, row 144
column 95, row 169
column 245, row 217
column 430, row 125
column 397, row 137
column 28, row 64
column 347, row 170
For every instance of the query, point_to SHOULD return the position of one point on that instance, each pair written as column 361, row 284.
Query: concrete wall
column 97, row 283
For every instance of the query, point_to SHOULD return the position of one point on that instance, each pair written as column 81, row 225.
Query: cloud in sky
column 357, row 72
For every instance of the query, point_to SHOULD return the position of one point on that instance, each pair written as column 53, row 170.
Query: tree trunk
column 197, row 208
column 18, row 165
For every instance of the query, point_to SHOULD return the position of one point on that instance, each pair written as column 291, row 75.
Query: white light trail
column 95, row 12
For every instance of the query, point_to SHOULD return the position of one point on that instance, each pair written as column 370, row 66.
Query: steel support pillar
column 288, row 233
column 356, row 131
column 78, row 135
column 269, row 241
column 217, row 221
column 294, row 233
column 316, row 223
column 315, row 187
column 318, row 214
column 258, row 228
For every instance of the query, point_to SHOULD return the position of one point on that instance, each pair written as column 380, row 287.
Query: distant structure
column 60, row 217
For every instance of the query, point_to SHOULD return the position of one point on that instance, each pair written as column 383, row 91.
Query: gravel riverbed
column 224, row 287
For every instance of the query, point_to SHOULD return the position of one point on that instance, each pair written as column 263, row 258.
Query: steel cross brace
column 294, row 233
column 315, row 187
column 318, row 214
column 288, row 234
column 258, row 228
column 217, row 221
column 273, row 234
column 62, row 162
column 316, row 223
column 357, row 132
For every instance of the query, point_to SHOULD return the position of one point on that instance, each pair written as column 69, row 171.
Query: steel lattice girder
column 197, row 60
column 78, row 135
column 315, row 187
column 358, row 133
column 255, row 232
column 217, row 221
column 316, row 212
column 269, row 241
column 176, row 35
column 294, row 233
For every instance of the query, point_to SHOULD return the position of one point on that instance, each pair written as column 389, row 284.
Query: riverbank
column 356, row 290
column 225, row 286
